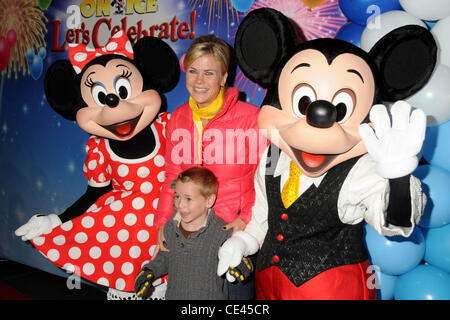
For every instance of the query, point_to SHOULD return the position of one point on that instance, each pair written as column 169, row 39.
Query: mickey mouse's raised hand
column 394, row 146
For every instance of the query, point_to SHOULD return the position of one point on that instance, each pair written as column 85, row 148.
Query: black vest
column 308, row 237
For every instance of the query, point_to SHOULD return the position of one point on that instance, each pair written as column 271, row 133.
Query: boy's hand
column 240, row 272
column 143, row 283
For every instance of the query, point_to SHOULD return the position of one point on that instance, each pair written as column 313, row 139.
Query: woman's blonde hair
column 209, row 44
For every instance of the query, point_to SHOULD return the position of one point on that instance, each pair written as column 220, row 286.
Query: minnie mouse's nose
column 321, row 114
column 112, row 100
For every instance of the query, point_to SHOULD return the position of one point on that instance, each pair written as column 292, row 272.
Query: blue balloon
column 394, row 255
column 29, row 54
column 436, row 145
column 242, row 5
column 350, row 32
column 360, row 11
column 385, row 285
column 424, row 282
column 42, row 53
column 36, row 67
column 437, row 247
column 435, row 184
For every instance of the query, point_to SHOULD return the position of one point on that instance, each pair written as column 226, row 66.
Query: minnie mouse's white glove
column 394, row 147
column 38, row 225
column 240, row 245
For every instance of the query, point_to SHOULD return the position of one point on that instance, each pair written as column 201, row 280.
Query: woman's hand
column 161, row 241
column 236, row 225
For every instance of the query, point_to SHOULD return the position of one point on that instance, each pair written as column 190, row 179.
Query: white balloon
column 441, row 33
column 427, row 9
column 434, row 97
column 387, row 22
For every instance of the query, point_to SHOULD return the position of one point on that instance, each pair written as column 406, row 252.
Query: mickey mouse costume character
column 332, row 164
column 114, row 93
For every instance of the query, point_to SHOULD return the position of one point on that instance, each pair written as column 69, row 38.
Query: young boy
column 193, row 237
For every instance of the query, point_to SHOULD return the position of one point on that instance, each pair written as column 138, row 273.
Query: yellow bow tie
column 291, row 188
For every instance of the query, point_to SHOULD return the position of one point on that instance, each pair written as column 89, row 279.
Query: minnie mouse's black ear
column 262, row 39
column 62, row 89
column 158, row 64
column 406, row 58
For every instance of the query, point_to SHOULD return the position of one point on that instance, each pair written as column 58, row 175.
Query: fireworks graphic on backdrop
column 28, row 21
column 216, row 11
column 323, row 21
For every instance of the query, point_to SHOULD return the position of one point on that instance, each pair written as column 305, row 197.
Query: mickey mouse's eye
column 123, row 88
column 302, row 98
column 99, row 94
column 344, row 100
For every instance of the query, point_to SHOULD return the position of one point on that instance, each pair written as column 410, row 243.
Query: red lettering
column 193, row 15
column 173, row 25
column 165, row 30
column 95, row 30
column 55, row 47
column 182, row 28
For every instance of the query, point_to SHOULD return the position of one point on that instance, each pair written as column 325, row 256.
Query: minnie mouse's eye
column 302, row 98
column 344, row 101
column 99, row 94
column 123, row 88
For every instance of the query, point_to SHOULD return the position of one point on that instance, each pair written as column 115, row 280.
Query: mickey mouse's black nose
column 112, row 100
column 321, row 114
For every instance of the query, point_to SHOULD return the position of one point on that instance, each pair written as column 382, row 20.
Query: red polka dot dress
column 110, row 242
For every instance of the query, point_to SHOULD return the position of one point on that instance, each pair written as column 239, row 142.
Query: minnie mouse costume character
column 114, row 93
column 335, row 160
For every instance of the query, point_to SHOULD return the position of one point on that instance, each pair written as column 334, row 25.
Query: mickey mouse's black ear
column 62, row 89
column 158, row 64
column 406, row 58
column 262, row 39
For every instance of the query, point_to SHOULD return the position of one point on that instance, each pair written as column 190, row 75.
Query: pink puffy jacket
column 231, row 149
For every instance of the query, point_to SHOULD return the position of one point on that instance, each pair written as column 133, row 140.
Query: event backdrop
column 42, row 154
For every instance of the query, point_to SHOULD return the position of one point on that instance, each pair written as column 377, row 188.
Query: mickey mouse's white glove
column 394, row 147
column 240, row 245
column 38, row 225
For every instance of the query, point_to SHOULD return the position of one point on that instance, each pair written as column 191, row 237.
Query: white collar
column 283, row 166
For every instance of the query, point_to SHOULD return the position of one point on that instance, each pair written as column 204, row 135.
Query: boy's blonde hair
column 203, row 178
column 209, row 44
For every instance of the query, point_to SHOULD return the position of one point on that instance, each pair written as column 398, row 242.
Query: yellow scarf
column 205, row 113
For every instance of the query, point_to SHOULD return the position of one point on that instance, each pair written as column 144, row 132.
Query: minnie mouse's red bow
column 80, row 55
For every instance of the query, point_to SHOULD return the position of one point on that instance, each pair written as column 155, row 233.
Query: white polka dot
column 81, row 237
column 109, row 169
column 92, row 164
column 116, row 205
column 67, row 226
column 151, row 250
column 92, row 208
column 130, row 219
column 101, row 177
column 87, row 222
column 138, row 203
column 108, row 267
column 118, row 34
column 38, row 241
column 109, row 200
column 123, row 170
column 88, row 268
column 149, row 219
column 109, row 221
column 95, row 252
column 159, row 160
column 74, row 253
column 143, row 235
column 69, row 267
column 127, row 268
column 80, row 56
column 84, row 168
column 128, row 47
column 102, row 236
column 115, row 251
column 161, row 176
column 143, row 172
column 53, row 255
column 59, row 240
column 128, row 185
column 144, row 263
column 126, row 194
column 146, row 187
column 120, row 284
column 123, row 235
column 77, row 69
column 155, row 203
column 135, row 252
column 103, row 282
